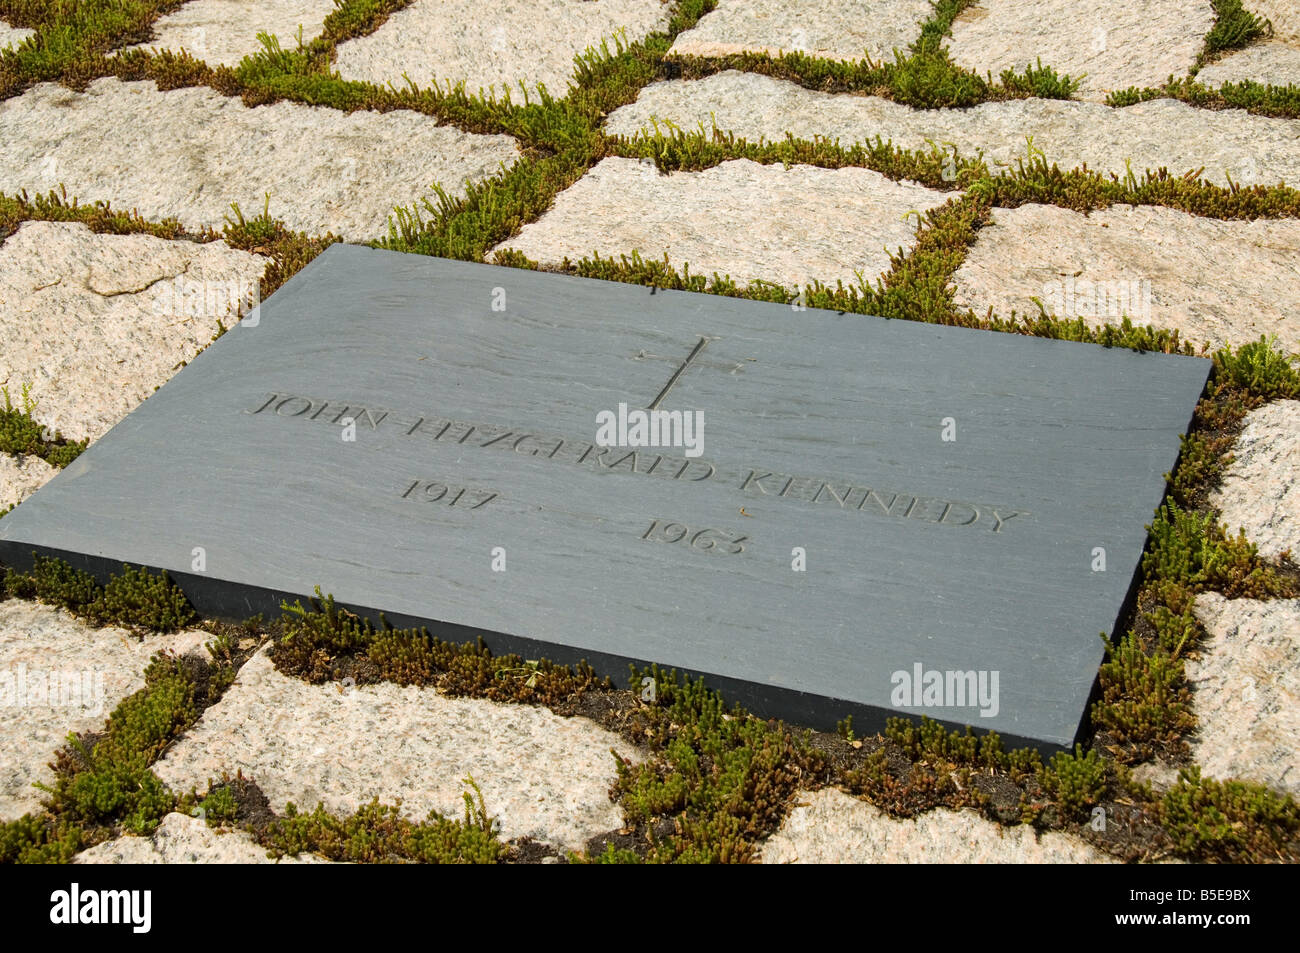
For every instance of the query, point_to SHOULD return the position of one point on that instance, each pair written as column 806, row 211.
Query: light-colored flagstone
column 12, row 36
column 739, row 218
column 486, row 43
column 1228, row 145
column 541, row 775
column 94, row 323
column 190, row 153
column 21, row 476
column 1260, row 492
column 1273, row 63
column 833, row 29
column 58, row 675
column 1246, row 691
column 185, row 840
column 1109, row 44
column 1225, row 282
column 831, row 827
column 223, row 32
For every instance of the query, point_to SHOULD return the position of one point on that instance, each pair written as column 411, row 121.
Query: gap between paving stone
column 1260, row 492
column 191, row 152
column 92, row 670
column 541, row 775
column 1117, row 43
column 96, row 322
column 21, row 476
column 1246, row 691
column 1283, row 14
column 831, row 827
column 186, row 840
column 493, row 42
column 1161, row 132
column 223, row 32
column 1226, row 282
column 832, row 29
column 738, row 218
column 1273, row 63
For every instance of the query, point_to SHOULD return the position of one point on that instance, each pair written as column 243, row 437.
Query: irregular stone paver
column 1159, row 133
column 324, row 170
column 185, row 840
column 1283, row 14
column 21, row 476
column 1226, row 282
column 738, row 218
column 1116, row 43
column 1274, row 63
column 834, row 29
column 223, row 32
column 58, row 675
column 1261, row 489
column 494, row 42
column 12, row 35
column 1246, row 691
column 96, row 322
column 541, row 775
column 831, row 827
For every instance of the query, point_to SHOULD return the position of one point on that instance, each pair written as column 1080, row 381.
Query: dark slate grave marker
column 882, row 517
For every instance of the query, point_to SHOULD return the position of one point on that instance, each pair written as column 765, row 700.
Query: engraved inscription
column 836, row 494
column 701, row 540
column 431, row 491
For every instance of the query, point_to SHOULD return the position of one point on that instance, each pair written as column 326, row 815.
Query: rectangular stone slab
column 873, row 497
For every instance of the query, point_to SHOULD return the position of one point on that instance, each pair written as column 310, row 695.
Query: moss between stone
column 21, row 435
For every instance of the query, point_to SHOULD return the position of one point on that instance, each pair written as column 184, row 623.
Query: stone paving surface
column 543, row 776
column 1109, row 44
column 94, row 323
column 483, row 43
column 739, row 218
column 831, row 827
column 185, row 840
column 12, row 36
column 1246, row 691
column 1274, row 63
column 325, row 171
column 1230, row 144
column 1225, row 282
column 57, row 676
column 223, row 32
column 20, row 477
column 1260, row 493
column 834, row 29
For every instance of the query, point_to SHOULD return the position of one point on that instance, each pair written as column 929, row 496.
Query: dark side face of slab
column 885, row 516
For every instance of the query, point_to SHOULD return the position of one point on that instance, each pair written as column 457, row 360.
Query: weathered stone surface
column 324, row 170
column 831, row 827
column 1283, row 14
column 12, row 35
column 835, row 29
column 495, row 380
column 1246, row 691
column 89, row 672
column 185, row 840
column 1116, row 43
column 497, row 42
column 1261, row 489
column 1274, row 63
column 1225, row 282
column 541, row 775
column 1160, row 133
column 738, row 218
column 94, row 323
column 223, row 32
column 21, row 476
